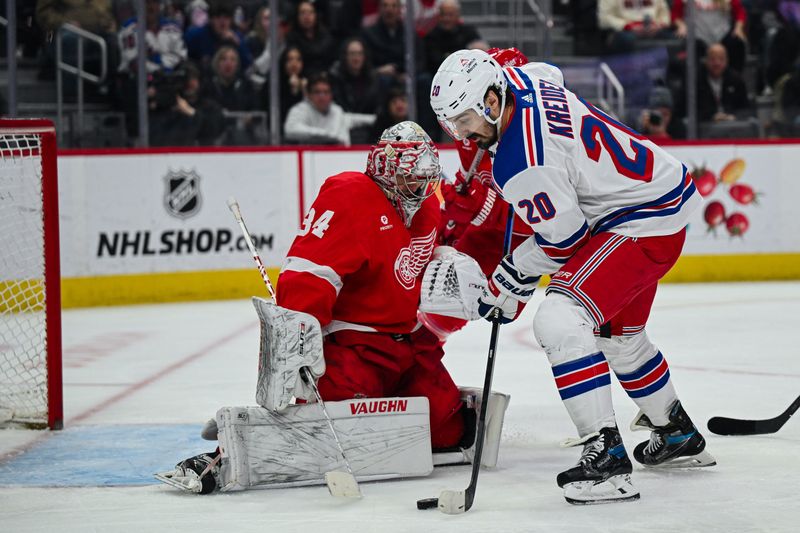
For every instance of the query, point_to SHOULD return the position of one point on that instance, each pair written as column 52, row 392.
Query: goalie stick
column 460, row 501
column 734, row 426
column 340, row 484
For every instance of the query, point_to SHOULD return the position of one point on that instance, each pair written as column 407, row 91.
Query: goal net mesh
column 23, row 321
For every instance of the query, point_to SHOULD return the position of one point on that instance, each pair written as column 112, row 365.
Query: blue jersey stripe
column 566, row 243
column 647, row 391
column 631, row 212
column 537, row 120
column 644, row 369
column 578, row 364
column 575, row 390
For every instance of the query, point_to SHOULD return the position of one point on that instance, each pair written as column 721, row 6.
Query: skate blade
column 614, row 489
column 185, row 484
column 701, row 460
column 342, row 485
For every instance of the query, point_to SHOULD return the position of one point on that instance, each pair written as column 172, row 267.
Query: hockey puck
column 428, row 503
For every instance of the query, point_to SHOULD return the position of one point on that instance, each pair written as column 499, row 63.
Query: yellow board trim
column 164, row 287
column 751, row 267
column 231, row 284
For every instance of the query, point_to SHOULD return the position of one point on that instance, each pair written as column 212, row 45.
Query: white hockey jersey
column 572, row 171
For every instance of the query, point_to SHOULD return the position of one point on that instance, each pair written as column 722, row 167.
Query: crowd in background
column 341, row 63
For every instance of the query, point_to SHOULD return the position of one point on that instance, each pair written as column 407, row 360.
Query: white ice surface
column 732, row 349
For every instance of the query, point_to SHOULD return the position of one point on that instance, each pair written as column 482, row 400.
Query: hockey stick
column 341, row 484
column 472, row 168
column 734, row 426
column 460, row 501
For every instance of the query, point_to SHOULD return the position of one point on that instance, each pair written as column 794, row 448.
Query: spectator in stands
column 346, row 21
column 449, row 35
column 292, row 82
column 782, row 43
column 163, row 37
column 426, row 16
column 630, row 23
column 91, row 15
column 312, row 38
column 318, row 120
column 386, row 42
column 721, row 92
column 258, row 43
column 789, row 104
column 203, row 42
column 195, row 14
column 227, row 87
column 185, row 117
column 355, row 85
column 395, row 109
column 657, row 123
column 716, row 21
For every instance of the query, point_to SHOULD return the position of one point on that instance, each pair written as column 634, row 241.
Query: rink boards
column 153, row 225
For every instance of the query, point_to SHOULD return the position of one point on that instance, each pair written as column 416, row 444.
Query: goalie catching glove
column 451, row 285
column 508, row 290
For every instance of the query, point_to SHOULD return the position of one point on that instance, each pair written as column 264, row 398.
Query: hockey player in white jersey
column 609, row 209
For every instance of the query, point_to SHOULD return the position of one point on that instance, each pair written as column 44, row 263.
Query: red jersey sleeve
column 326, row 249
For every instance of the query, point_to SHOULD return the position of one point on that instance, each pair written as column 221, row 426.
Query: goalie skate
column 602, row 474
column 198, row 474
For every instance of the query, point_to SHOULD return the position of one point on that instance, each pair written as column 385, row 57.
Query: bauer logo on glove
column 508, row 290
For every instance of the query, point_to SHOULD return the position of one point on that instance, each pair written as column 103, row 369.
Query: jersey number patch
column 541, row 203
column 317, row 227
column 596, row 134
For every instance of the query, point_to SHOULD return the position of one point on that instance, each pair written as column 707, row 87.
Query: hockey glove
column 508, row 290
column 463, row 202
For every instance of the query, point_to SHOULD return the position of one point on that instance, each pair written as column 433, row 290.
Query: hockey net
column 30, row 303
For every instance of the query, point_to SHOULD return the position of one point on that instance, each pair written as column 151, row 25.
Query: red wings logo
column 411, row 260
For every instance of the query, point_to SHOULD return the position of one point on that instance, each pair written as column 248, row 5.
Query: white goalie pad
column 383, row 438
column 452, row 284
column 498, row 403
column 290, row 340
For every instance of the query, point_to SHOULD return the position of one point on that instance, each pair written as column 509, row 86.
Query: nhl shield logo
column 182, row 195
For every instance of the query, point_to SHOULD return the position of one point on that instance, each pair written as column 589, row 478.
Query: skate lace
column 655, row 443
column 592, row 450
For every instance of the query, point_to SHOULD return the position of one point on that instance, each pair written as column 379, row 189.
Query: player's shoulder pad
column 545, row 71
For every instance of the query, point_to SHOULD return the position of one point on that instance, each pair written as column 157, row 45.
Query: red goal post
column 30, row 296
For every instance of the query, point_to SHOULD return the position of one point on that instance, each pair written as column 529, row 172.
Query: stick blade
column 453, row 501
column 731, row 426
column 342, row 485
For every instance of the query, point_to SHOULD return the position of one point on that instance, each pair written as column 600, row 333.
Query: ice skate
column 196, row 474
column 602, row 474
column 676, row 445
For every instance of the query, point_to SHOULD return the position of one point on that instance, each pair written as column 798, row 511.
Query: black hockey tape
column 427, row 503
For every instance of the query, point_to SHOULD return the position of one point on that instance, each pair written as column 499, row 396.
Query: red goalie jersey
column 354, row 264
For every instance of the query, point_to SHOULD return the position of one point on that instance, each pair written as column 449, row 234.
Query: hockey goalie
column 345, row 327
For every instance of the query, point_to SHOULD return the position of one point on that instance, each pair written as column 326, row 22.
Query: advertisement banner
column 154, row 213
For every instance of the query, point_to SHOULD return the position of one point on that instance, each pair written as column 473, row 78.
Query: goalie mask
column 405, row 164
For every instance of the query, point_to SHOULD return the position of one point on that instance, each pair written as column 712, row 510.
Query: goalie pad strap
column 383, row 438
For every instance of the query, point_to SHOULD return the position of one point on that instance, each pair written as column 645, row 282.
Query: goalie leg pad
column 498, row 403
column 383, row 438
column 290, row 340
